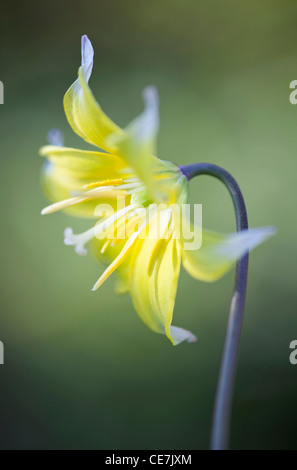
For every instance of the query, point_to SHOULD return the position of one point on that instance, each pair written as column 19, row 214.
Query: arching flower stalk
column 150, row 190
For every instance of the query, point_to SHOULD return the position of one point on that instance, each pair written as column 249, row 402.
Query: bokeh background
column 81, row 370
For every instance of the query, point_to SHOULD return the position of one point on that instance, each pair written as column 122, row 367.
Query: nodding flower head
column 134, row 198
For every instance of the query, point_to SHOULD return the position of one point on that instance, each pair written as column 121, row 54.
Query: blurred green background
column 81, row 370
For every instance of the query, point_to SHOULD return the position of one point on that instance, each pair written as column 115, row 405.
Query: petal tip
column 260, row 235
column 150, row 92
column 192, row 339
column 55, row 137
column 240, row 243
column 86, row 45
column 179, row 335
column 87, row 55
column 270, row 231
column 151, row 97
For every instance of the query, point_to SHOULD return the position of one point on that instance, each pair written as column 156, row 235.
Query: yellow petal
column 69, row 170
column 82, row 110
column 126, row 250
column 84, row 165
column 108, row 249
column 110, row 253
column 219, row 252
column 138, row 143
column 154, row 273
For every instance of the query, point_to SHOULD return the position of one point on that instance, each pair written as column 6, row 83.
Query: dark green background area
column 81, row 370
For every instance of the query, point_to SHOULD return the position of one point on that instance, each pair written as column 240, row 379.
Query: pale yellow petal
column 68, row 170
column 84, row 165
column 219, row 252
column 125, row 252
column 138, row 143
column 108, row 249
column 154, row 273
column 82, row 110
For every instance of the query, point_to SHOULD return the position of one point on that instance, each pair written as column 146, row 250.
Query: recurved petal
column 218, row 252
column 59, row 186
column 82, row 110
column 67, row 171
column 84, row 165
column 154, row 273
column 108, row 248
column 179, row 335
column 138, row 143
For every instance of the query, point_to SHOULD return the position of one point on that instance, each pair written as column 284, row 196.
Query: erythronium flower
column 80, row 181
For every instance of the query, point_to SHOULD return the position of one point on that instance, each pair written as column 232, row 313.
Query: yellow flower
column 134, row 198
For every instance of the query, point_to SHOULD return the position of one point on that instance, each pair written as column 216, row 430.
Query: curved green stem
column 225, row 387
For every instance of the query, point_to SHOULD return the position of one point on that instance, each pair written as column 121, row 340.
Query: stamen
column 132, row 180
column 57, row 206
column 109, row 192
column 136, row 190
column 105, row 246
column 124, row 230
column 123, row 254
column 119, row 259
column 111, row 182
column 95, row 191
column 101, row 227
